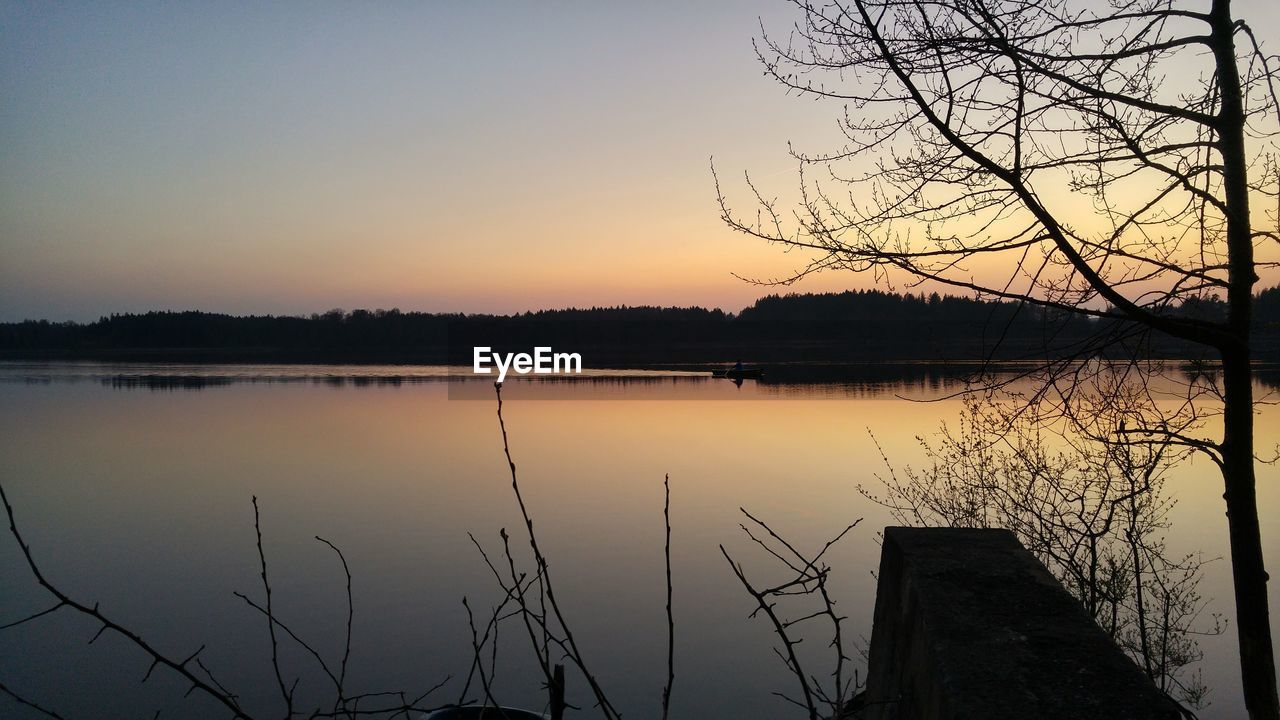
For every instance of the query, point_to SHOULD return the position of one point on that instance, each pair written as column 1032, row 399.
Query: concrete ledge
column 968, row 624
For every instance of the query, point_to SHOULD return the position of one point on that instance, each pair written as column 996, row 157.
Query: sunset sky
column 478, row 157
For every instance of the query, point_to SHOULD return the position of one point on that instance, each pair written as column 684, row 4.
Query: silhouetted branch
column 285, row 693
column 566, row 640
column 35, row 616
column 275, row 621
column 973, row 129
column 209, row 686
column 217, row 695
column 671, row 623
column 346, row 651
column 477, row 645
column 23, row 701
column 1089, row 506
column 808, row 578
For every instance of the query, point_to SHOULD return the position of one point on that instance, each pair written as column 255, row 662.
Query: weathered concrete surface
column 968, row 624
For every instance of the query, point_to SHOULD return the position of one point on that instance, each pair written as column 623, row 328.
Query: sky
column 289, row 158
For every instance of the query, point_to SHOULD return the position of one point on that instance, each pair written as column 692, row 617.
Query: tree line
column 856, row 325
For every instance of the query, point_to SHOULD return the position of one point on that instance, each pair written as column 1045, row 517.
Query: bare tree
column 803, row 587
column 1094, row 159
column 201, row 680
column 1093, row 511
column 1104, row 156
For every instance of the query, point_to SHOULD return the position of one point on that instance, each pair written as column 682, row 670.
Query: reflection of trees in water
column 164, row 382
column 805, row 380
column 1086, row 496
column 1268, row 376
column 202, row 382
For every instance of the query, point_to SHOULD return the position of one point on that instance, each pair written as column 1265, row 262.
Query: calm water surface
column 133, row 485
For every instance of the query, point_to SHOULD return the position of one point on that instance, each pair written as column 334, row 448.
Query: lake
column 133, row 486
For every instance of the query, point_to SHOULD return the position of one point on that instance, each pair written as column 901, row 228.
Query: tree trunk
column 1253, row 623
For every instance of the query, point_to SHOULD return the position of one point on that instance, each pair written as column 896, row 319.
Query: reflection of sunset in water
column 140, row 499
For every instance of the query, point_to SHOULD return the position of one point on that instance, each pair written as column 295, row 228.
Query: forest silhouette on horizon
column 852, row 326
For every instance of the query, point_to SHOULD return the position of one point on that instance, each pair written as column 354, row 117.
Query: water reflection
column 809, row 381
column 141, row 500
column 796, row 380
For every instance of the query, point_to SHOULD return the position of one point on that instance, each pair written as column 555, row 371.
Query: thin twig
column 346, row 652
column 671, row 623
column 218, row 696
column 573, row 652
column 285, row 693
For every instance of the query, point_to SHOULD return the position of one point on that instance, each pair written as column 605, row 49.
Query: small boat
column 743, row 374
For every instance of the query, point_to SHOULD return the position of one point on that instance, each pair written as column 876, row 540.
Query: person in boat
column 737, row 367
